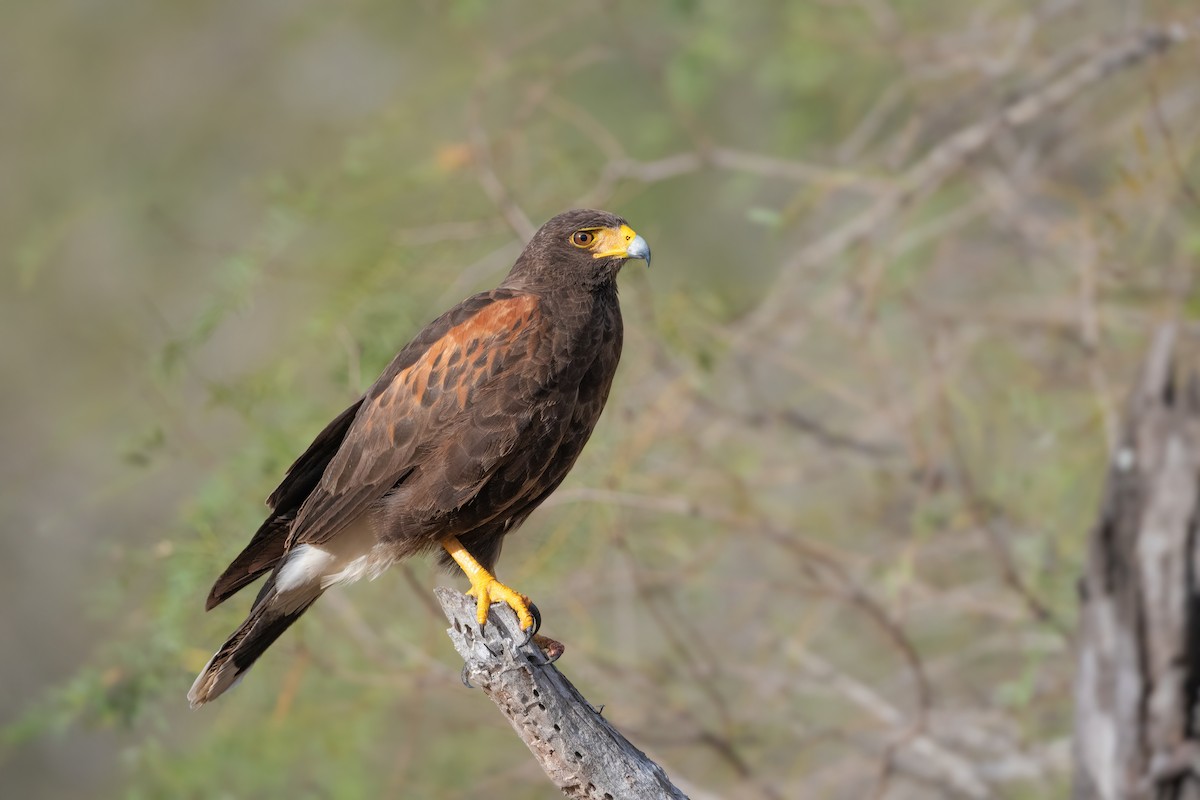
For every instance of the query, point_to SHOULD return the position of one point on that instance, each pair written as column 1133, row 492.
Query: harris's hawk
column 471, row 426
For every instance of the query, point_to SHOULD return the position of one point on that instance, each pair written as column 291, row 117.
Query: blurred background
column 826, row 539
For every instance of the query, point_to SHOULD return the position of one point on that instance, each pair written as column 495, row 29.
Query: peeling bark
column 1137, row 669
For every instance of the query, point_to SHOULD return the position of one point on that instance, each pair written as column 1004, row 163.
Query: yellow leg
column 484, row 586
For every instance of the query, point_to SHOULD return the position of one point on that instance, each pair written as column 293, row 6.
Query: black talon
column 533, row 629
column 463, row 676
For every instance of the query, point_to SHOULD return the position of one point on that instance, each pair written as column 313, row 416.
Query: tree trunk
column 1137, row 656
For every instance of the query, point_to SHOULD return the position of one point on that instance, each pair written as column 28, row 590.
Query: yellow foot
column 485, row 588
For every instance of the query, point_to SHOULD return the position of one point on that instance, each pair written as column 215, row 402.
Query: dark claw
column 463, row 676
column 537, row 623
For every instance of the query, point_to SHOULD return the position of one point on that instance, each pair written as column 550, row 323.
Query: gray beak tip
column 639, row 249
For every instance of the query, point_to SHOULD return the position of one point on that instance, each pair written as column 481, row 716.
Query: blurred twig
column 951, row 768
column 981, row 510
column 485, row 170
column 1160, row 121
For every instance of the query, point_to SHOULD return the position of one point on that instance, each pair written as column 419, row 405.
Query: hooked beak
column 639, row 249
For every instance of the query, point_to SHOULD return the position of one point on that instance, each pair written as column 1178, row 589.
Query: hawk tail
column 272, row 614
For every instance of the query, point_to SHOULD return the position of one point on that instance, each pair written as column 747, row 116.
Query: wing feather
column 420, row 405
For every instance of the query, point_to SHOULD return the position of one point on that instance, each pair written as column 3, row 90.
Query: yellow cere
column 612, row 241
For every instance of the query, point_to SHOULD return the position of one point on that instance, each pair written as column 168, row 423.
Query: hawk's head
column 580, row 247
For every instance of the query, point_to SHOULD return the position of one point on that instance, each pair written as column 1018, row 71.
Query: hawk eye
column 582, row 238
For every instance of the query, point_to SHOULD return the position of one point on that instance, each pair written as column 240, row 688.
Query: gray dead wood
column 578, row 749
column 1138, row 652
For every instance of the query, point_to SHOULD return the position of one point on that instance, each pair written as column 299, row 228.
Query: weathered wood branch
column 578, row 749
column 1138, row 660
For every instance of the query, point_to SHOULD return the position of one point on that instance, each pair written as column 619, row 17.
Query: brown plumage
column 471, row 426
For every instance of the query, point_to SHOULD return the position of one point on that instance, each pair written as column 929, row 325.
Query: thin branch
column 1164, row 129
column 981, row 509
column 948, row 766
column 489, row 180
